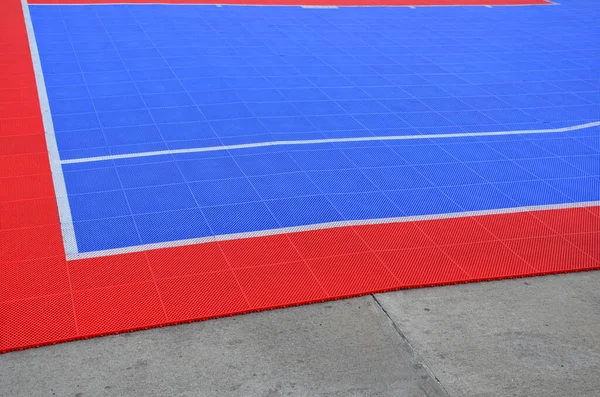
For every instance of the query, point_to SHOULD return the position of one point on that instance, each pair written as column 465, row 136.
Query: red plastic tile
column 488, row 260
column 328, row 242
column 118, row 308
column 279, row 285
column 34, row 322
column 259, row 251
column 22, row 144
column 183, row 261
column 352, row 274
column 30, row 243
column 109, row 270
column 202, row 296
column 16, row 95
column 30, row 279
column 28, row 213
column 23, row 165
column 572, row 220
column 588, row 243
column 26, row 188
column 15, row 127
column 551, row 254
column 513, row 226
column 422, row 267
column 456, row 231
column 17, row 110
column 393, row 236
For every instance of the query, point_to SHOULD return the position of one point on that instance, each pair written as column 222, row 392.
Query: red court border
column 46, row 299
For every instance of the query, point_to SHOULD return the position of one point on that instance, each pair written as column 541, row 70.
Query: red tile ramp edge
column 45, row 299
column 312, row 2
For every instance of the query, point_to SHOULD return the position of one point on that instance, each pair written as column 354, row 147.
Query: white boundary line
column 320, row 226
column 60, row 189
column 331, row 140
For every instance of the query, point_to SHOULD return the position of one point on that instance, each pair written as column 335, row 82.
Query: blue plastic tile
column 549, row 168
column 72, row 106
column 209, row 168
column 149, row 174
column 588, row 164
column 272, row 109
column 578, row 189
column 108, row 233
column 239, row 218
column 92, row 180
column 112, row 89
column 238, row 127
column 119, row 103
column 369, row 205
column 395, row 178
column 318, row 108
column 72, row 140
column 478, row 197
column 449, row 175
column 341, row 181
column 378, row 156
column 284, row 185
column 422, row 202
column 471, row 151
column 299, row 211
column 125, row 118
column 424, row 154
column 223, row 191
column 132, row 135
column 267, row 163
column 519, row 149
column 532, row 193
column 172, row 226
column 80, row 121
column 171, row 100
column 160, row 198
column 567, row 146
column 158, row 86
column 315, row 160
column 98, row 205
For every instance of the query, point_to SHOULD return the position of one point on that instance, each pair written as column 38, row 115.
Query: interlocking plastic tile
column 290, row 283
column 421, row 267
column 118, row 307
column 201, row 296
column 488, row 260
column 552, row 254
column 109, row 271
column 361, row 272
column 34, row 278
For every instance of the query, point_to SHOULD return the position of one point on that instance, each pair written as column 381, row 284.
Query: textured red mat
column 311, row 2
column 45, row 299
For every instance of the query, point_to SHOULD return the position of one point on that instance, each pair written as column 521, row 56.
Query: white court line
column 330, row 140
column 320, row 226
column 64, row 210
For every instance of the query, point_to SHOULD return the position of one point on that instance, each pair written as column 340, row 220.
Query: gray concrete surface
column 525, row 337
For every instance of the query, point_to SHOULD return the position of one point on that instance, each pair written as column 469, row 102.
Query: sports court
column 166, row 163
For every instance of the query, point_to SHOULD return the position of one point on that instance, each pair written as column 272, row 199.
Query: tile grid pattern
column 365, row 85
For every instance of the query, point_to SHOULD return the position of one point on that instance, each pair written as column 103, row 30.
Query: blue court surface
column 141, row 79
